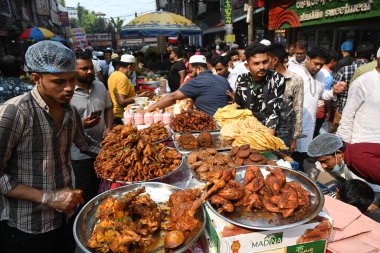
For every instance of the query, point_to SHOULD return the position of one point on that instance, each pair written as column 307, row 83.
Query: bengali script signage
column 295, row 13
column 227, row 12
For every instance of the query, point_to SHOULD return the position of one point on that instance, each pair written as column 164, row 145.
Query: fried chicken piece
column 275, row 180
column 193, row 157
column 223, row 203
column 232, row 191
column 253, row 179
column 252, row 200
column 270, row 207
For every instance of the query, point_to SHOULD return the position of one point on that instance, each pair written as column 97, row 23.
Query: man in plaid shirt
column 364, row 53
column 37, row 130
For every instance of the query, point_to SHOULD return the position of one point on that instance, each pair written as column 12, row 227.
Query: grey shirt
column 86, row 102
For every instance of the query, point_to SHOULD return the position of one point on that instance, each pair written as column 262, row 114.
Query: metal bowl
column 253, row 220
column 156, row 179
column 159, row 192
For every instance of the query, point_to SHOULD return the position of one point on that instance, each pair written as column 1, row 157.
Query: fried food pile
column 271, row 194
column 230, row 114
column 244, row 155
column 192, row 121
column 135, row 223
column 209, row 163
column 154, row 133
column 125, row 222
column 127, row 156
column 190, row 142
column 251, row 131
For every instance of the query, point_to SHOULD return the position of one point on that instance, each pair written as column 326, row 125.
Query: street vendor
column 208, row 91
column 261, row 90
column 349, row 161
column 37, row 130
column 121, row 90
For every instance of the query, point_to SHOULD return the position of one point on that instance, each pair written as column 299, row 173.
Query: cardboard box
column 273, row 241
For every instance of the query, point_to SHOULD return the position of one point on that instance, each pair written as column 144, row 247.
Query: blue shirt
column 208, row 92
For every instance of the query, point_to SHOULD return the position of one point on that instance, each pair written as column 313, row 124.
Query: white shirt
column 238, row 70
column 293, row 63
column 313, row 89
column 360, row 116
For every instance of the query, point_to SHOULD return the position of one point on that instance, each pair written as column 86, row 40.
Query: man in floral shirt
column 10, row 83
column 261, row 90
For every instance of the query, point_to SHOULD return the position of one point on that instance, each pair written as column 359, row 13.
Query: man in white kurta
column 361, row 115
column 314, row 89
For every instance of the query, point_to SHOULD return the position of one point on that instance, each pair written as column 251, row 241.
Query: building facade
column 325, row 23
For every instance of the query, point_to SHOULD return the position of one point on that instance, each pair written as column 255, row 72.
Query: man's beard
column 87, row 79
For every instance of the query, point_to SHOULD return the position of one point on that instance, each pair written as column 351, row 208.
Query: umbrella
column 36, row 33
column 160, row 23
column 58, row 38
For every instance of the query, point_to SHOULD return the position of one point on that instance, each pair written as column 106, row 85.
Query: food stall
column 214, row 186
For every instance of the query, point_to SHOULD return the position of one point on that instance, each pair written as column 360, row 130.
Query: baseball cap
column 346, row 46
column 197, row 59
column 127, row 58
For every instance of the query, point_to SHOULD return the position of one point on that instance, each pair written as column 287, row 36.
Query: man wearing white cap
column 120, row 87
column 207, row 90
column 362, row 110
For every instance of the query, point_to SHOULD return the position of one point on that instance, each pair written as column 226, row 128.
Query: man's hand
column 339, row 87
column 106, row 132
column 271, row 131
column 89, row 122
column 145, row 93
column 293, row 146
column 231, row 94
column 63, row 200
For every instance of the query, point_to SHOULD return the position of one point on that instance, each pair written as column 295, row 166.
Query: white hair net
column 324, row 144
column 49, row 57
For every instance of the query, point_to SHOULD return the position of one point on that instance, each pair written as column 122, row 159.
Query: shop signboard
column 79, row 37
column 299, row 13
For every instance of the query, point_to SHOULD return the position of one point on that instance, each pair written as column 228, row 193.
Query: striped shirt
column 34, row 153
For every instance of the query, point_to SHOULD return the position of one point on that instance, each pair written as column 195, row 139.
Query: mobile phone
column 96, row 114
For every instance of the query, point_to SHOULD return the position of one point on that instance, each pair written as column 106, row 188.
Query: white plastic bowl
column 141, row 100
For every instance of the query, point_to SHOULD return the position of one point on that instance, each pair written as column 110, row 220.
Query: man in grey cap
column 36, row 133
column 349, row 161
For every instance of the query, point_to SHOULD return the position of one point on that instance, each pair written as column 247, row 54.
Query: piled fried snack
column 270, row 194
column 320, row 232
column 154, row 133
column 230, row 114
column 251, row 131
column 208, row 163
column 244, row 155
column 192, row 121
column 135, row 223
column 189, row 142
column 127, row 156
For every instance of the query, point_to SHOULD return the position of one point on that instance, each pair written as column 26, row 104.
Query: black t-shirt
column 345, row 61
column 174, row 77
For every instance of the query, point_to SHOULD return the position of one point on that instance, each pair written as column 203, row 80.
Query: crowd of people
column 323, row 106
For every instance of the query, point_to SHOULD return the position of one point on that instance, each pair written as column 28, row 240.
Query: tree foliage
column 92, row 23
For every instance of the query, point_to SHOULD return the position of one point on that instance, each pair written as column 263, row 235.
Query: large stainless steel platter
column 156, row 179
column 218, row 143
column 254, row 220
column 159, row 192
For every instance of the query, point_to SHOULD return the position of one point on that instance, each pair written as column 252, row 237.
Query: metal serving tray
column 218, row 143
column 253, row 220
column 159, row 192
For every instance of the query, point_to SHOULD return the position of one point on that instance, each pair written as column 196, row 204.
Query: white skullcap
column 127, row 58
column 49, row 57
column 324, row 144
column 265, row 42
column 198, row 59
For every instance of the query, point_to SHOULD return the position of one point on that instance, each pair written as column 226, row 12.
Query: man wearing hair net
column 349, row 161
column 36, row 133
